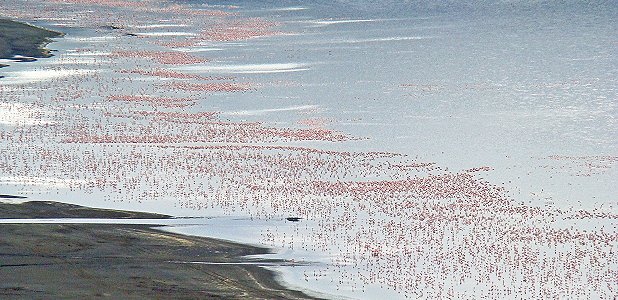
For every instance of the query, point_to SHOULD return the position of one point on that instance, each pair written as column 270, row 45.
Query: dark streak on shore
column 50, row 209
column 4, row 196
column 124, row 261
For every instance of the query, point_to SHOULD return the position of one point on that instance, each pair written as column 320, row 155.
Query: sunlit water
column 527, row 89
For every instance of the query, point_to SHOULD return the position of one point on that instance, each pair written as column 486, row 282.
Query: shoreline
column 23, row 42
column 129, row 261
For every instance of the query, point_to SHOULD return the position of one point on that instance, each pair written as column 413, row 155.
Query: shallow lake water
column 430, row 148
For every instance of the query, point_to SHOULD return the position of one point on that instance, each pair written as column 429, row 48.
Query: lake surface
column 432, row 149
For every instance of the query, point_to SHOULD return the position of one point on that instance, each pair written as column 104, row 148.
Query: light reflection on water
column 507, row 91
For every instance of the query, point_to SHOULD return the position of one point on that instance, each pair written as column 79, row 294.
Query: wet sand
column 124, row 261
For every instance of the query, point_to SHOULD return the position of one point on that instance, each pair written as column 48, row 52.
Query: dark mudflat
column 86, row 261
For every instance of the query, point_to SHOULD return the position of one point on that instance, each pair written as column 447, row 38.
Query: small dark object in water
column 111, row 27
column 11, row 196
column 293, row 219
column 131, row 34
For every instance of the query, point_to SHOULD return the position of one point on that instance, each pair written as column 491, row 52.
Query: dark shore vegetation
column 88, row 261
column 23, row 39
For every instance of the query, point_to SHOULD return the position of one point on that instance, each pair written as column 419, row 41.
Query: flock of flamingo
column 133, row 128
